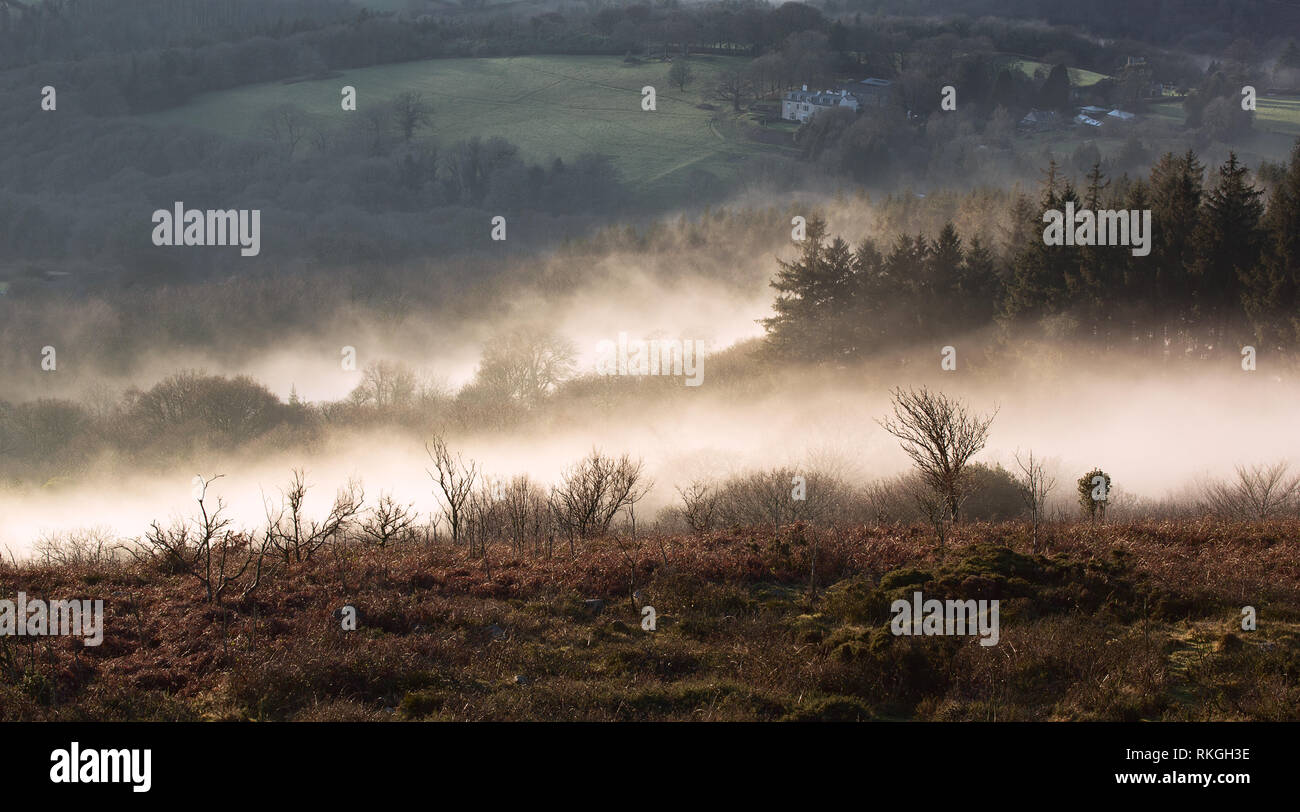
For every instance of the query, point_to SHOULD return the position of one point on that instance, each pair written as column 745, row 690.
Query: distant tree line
column 1203, row 24
column 1223, row 272
column 81, row 189
column 146, row 55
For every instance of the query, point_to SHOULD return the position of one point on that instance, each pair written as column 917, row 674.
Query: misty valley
column 626, row 362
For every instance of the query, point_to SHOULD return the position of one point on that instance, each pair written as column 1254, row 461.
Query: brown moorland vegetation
column 1119, row 621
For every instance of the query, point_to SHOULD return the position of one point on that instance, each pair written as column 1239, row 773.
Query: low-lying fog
column 1154, row 435
column 1155, row 429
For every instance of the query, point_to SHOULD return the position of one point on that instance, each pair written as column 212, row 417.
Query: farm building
column 871, row 92
column 1040, row 120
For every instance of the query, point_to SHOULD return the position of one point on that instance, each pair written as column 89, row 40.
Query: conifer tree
column 1228, row 241
column 1176, row 189
column 1269, row 290
column 813, row 302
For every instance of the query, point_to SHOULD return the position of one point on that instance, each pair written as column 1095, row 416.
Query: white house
column 802, row 105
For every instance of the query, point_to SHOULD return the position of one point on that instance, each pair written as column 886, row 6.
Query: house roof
column 820, row 98
column 1121, row 115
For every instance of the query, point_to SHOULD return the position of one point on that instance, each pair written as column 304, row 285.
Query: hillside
column 1079, row 77
column 550, row 106
column 1118, row 622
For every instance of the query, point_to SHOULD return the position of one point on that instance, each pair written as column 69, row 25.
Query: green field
column 1078, row 76
column 550, row 106
column 1272, row 115
column 1278, row 115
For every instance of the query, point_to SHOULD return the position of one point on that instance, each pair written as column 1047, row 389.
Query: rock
column 496, row 631
column 520, row 679
column 596, row 605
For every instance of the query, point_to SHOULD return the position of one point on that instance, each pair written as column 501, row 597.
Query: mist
column 1153, row 432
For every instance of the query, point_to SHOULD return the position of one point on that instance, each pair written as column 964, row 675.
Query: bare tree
column 525, row 365
column 372, row 126
column 386, row 385
column 455, row 478
column 592, row 493
column 297, row 538
column 779, row 496
column 410, row 112
column 933, row 507
column 206, row 549
column 91, row 546
column 680, row 74
column 527, row 513
column 485, row 510
column 389, row 521
column 320, row 134
column 758, row 497
column 699, row 505
column 888, row 500
column 286, row 126
column 1259, row 492
column 940, row 436
column 1035, row 485
column 733, row 86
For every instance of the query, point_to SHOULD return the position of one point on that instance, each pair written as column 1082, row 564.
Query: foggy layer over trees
column 1223, row 281
column 597, row 496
